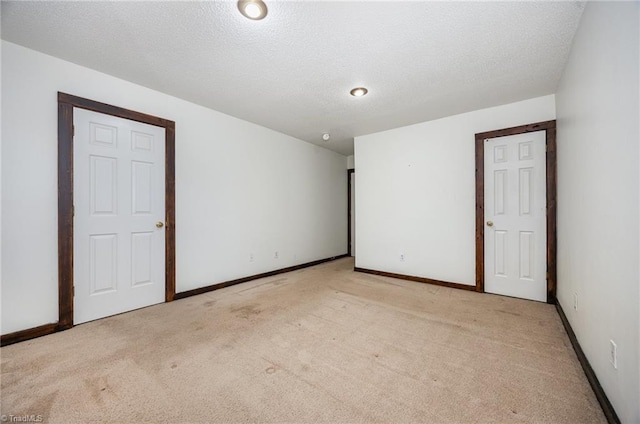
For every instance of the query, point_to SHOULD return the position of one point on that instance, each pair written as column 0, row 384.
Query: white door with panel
column 515, row 207
column 119, row 215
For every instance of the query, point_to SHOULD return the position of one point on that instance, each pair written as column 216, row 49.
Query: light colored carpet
column 323, row 344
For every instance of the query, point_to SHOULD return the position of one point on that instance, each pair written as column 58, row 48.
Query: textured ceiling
column 292, row 71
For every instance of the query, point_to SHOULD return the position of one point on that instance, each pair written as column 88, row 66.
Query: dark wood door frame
column 66, row 103
column 550, row 128
column 349, row 200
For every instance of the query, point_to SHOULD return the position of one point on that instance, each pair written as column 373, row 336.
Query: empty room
column 320, row 211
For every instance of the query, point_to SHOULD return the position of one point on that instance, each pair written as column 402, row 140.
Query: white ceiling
column 292, row 71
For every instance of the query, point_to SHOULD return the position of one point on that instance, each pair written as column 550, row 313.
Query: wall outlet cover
column 613, row 354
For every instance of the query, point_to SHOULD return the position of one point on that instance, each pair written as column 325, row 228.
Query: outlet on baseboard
column 402, row 257
column 275, row 255
column 613, row 354
column 575, row 301
column 250, row 257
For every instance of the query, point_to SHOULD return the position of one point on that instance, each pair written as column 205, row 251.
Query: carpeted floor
column 322, row 344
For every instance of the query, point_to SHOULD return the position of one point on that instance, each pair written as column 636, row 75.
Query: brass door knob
column 159, row 224
column 490, row 223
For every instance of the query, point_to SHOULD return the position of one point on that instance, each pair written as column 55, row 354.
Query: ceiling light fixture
column 253, row 9
column 326, row 136
column 359, row 92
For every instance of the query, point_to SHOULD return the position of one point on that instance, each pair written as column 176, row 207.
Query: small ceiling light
column 359, row 92
column 326, row 136
column 253, row 9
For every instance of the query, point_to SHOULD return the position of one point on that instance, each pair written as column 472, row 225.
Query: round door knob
column 159, row 224
column 490, row 223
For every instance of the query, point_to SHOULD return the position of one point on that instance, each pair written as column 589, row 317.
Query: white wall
column 0, row 180
column 240, row 188
column 416, row 192
column 350, row 162
column 598, row 196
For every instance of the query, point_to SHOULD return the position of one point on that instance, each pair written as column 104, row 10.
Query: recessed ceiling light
column 359, row 92
column 326, row 136
column 253, row 9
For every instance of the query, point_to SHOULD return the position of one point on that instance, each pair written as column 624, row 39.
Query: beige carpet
column 323, row 344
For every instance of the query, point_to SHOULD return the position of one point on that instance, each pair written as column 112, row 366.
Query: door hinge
column 73, row 210
column 73, row 130
column 73, row 291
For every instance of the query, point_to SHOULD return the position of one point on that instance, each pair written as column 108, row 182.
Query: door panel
column 527, row 260
column 104, row 198
column 103, row 261
column 500, row 188
column 515, row 216
column 119, row 196
column 141, row 258
column 141, row 186
column 501, row 253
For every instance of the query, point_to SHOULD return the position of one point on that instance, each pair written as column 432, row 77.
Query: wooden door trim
column 349, row 200
column 66, row 103
column 550, row 130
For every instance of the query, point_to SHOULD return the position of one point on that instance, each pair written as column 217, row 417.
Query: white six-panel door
column 515, row 236
column 119, row 203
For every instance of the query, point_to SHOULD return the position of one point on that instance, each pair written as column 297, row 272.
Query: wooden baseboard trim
column 418, row 279
column 607, row 408
column 29, row 333
column 217, row 286
column 43, row 330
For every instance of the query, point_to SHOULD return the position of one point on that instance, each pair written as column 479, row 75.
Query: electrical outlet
column 613, row 354
column 402, row 257
column 250, row 257
column 275, row 255
column 575, row 301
